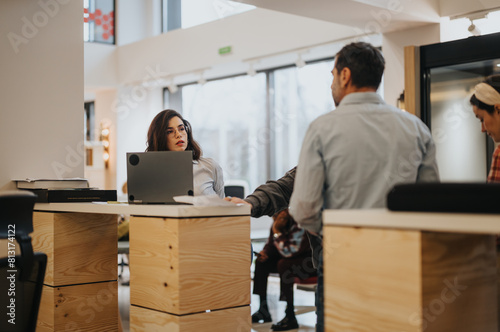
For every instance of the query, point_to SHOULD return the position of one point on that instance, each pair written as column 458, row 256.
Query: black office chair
column 234, row 191
column 21, row 276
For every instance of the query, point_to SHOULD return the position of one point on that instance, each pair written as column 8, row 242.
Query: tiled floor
column 277, row 308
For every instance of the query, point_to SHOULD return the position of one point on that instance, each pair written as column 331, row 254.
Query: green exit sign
column 224, row 50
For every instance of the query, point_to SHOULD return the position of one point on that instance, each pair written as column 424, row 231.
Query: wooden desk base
column 89, row 307
column 403, row 280
column 80, row 290
column 233, row 319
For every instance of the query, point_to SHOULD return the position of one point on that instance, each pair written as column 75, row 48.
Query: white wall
column 393, row 48
column 100, row 66
column 136, row 107
column 251, row 34
column 41, row 89
column 137, row 20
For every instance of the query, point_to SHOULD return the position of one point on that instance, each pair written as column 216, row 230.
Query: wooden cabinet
column 398, row 271
column 187, row 272
column 80, row 286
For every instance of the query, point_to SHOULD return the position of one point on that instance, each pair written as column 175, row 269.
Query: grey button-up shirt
column 207, row 177
column 352, row 156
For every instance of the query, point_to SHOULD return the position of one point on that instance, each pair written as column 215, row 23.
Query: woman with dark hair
column 486, row 106
column 170, row 132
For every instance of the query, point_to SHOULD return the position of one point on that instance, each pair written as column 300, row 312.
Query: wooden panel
column 459, row 280
column 412, row 80
column 154, row 265
column 372, row 279
column 190, row 265
column 233, row 319
column 42, row 240
column 80, row 247
column 89, row 307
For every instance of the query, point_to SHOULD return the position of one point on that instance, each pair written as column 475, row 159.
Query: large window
column 228, row 118
column 300, row 96
column 253, row 126
column 99, row 21
column 188, row 13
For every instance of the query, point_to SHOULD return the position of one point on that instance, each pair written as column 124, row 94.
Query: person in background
column 170, row 132
column 486, row 106
column 351, row 157
column 288, row 252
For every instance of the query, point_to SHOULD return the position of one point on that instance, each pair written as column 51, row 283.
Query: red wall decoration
column 106, row 21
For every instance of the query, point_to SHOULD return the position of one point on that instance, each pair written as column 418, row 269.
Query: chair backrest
column 236, row 188
column 21, row 275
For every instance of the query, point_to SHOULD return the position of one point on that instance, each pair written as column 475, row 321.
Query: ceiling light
column 173, row 88
column 251, row 70
column 202, row 80
column 300, row 62
column 473, row 29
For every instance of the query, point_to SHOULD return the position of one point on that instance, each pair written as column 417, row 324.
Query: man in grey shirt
column 351, row 157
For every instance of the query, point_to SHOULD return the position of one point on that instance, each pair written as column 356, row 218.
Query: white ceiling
column 369, row 16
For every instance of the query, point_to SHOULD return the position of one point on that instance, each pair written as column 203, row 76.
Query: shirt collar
column 362, row 98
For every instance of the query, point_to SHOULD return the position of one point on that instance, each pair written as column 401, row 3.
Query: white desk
column 80, row 292
column 151, row 210
column 402, row 271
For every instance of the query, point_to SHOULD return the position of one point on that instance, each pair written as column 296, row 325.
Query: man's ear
column 345, row 77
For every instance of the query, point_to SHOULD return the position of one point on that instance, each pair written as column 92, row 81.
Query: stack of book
column 65, row 190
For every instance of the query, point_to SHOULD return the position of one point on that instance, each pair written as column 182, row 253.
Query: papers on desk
column 211, row 200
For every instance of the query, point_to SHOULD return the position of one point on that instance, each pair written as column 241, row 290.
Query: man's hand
column 262, row 257
column 236, row 200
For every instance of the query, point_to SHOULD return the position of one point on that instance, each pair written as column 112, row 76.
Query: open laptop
column 156, row 177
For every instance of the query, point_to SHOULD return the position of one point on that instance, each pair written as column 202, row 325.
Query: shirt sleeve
column 218, row 180
column 307, row 198
column 428, row 169
column 272, row 196
column 494, row 175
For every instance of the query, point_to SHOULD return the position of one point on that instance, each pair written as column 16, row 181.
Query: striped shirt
column 494, row 175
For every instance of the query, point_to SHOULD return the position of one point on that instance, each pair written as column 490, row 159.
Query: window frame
column 91, row 27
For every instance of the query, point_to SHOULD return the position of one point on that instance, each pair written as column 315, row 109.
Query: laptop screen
column 156, row 177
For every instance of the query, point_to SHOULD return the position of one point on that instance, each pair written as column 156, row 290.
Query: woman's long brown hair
column 157, row 133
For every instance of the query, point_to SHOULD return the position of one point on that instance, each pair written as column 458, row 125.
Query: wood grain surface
column 412, row 80
column 183, row 266
column 408, row 280
column 372, row 279
column 459, row 278
column 80, row 247
column 89, row 307
column 231, row 320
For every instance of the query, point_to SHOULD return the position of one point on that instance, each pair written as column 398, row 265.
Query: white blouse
column 207, row 178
